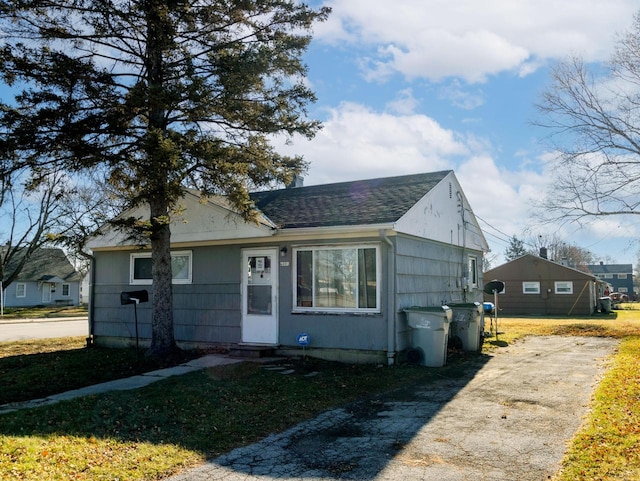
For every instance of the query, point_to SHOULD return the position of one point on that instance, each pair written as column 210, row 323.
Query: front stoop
column 252, row 351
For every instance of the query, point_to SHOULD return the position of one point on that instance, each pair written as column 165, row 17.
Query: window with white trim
column 140, row 267
column 531, row 287
column 66, row 290
column 21, row 289
column 622, row 276
column 563, row 287
column 473, row 271
column 337, row 278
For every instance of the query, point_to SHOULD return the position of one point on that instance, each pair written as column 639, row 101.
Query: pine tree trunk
column 162, row 338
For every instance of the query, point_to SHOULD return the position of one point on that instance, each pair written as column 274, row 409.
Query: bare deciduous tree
column 593, row 116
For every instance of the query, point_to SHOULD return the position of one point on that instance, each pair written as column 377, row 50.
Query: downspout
column 464, row 262
column 92, row 283
column 391, row 290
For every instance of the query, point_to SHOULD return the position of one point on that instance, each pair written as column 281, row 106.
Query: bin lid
column 476, row 306
column 427, row 308
column 428, row 317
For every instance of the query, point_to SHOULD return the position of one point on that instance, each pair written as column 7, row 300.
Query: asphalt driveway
column 510, row 418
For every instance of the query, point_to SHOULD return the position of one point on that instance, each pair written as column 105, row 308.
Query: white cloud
column 358, row 143
column 462, row 97
column 471, row 39
column 500, row 197
column 404, row 104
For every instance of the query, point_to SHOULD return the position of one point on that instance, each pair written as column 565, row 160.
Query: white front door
column 260, row 296
column 46, row 292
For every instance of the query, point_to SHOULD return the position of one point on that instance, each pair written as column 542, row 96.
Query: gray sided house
column 47, row 278
column 336, row 262
column 619, row 276
column 537, row 286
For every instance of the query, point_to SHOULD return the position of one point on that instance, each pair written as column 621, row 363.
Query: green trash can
column 430, row 334
column 467, row 324
column 606, row 306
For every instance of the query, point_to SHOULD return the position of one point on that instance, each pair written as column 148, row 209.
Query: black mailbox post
column 135, row 298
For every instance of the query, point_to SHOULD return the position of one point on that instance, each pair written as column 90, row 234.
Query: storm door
column 260, row 296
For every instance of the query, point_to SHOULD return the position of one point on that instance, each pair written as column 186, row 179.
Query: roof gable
column 524, row 265
column 362, row 202
column 203, row 220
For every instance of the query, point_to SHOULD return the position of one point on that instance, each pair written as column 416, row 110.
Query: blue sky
column 423, row 85
column 408, row 86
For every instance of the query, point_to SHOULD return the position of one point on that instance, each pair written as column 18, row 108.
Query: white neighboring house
column 48, row 278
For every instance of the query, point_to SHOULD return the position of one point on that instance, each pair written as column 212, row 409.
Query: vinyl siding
column 207, row 311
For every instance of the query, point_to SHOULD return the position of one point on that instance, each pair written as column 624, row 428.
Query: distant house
column 336, row 262
column 619, row 276
column 48, row 278
column 537, row 286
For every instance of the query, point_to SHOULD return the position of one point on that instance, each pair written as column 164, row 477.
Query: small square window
column 531, row 288
column 563, row 287
column 140, row 268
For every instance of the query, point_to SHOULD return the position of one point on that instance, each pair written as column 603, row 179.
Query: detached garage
column 538, row 286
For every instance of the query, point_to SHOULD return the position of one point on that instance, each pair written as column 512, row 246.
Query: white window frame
column 563, row 287
column 68, row 288
column 22, row 285
column 473, row 272
column 147, row 255
column 316, row 248
column 622, row 276
column 531, row 287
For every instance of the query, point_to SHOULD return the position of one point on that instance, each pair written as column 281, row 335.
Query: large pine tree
column 159, row 95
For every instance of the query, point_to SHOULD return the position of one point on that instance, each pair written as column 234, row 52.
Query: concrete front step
column 245, row 350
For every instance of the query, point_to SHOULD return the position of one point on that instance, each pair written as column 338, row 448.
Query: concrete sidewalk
column 6, row 320
column 133, row 382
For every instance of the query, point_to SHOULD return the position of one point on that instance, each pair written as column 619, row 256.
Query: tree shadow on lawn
column 213, row 411
column 33, row 376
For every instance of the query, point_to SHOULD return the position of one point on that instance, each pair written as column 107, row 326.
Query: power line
column 506, row 240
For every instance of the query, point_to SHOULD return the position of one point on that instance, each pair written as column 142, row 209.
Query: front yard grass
column 34, row 369
column 156, row 431
column 39, row 312
column 153, row 432
column 607, row 448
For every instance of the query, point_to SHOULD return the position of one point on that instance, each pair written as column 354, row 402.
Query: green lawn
column 39, row 312
column 153, row 432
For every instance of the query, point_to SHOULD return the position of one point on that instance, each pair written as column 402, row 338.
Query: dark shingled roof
column 374, row 201
column 610, row 268
column 46, row 262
